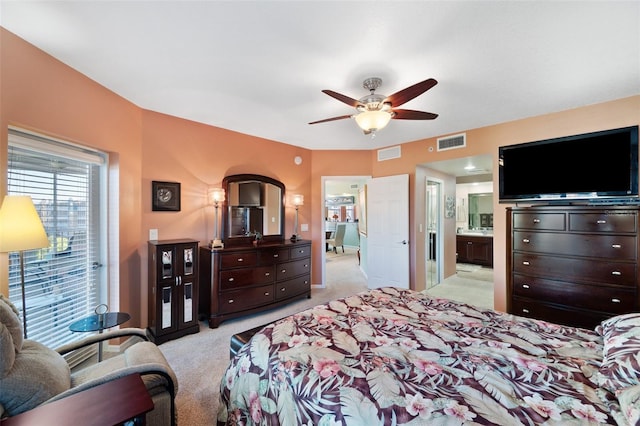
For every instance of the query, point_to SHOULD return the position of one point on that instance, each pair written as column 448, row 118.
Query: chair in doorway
column 338, row 238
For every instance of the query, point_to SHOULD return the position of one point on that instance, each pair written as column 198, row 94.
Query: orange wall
column 39, row 93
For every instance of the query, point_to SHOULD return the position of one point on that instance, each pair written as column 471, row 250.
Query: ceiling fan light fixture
column 371, row 121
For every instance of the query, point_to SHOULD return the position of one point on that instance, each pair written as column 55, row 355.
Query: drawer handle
column 525, row 311
column 267, row 293
column 231, row 279
column 526, row 262
column 283, row 289
column 276, row 255
column 615, row 300
column 525, row 285
column 230, row 300
column 241, row 260
column 284, row 271
column 266, row 274
column 301, row 251
column 469, row 242
column 601, row 222
column 536, row 220
column 616, row 246
column 616, row 273
column 526, row 240
column 306, row 266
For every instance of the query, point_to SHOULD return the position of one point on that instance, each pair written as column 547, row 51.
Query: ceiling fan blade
column 342, row 117
column 408, row 114
column 405, row 95
column 342, row 98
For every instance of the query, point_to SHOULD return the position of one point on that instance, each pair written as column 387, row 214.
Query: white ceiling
column 258, row 67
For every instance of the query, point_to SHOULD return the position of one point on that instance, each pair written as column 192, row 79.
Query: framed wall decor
column 165, row 196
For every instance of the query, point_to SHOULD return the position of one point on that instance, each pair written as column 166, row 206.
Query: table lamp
column 21, row 229
column 216, row 196
column 297, row 200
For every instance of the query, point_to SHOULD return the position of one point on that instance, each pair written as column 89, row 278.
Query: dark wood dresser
column 573, row 265
column 242, row 280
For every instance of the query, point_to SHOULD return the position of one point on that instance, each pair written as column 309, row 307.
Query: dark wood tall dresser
column 573, row 265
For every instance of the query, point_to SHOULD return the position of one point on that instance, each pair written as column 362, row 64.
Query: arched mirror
column 254, row 203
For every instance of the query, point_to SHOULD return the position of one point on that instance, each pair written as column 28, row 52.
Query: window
column 64, row 281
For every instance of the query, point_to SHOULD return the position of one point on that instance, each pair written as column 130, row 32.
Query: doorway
column 340, row 206
column 434, row 243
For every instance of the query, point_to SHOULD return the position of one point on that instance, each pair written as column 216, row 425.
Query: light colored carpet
column 474, row 288
column 200, row 360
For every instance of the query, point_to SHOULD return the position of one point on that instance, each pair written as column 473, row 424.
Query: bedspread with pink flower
column 398, row 357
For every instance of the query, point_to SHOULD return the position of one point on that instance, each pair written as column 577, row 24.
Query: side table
column 99, row 323
column 111, row 403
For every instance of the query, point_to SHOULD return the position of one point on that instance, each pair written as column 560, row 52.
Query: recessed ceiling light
column 469, row 167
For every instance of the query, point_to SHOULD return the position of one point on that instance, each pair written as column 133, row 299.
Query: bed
column 399, row 357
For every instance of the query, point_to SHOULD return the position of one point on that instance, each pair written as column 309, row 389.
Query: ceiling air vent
column 452, row 142
column 389, row 153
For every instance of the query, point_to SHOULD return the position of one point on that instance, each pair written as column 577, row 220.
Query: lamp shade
column 20, row 225
column 373, row 120
column 297, row 200
column 216, row 195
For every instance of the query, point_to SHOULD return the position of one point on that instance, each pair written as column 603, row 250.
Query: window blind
column 62, row 281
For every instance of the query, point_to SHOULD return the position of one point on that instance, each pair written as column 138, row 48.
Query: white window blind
column 63, row 281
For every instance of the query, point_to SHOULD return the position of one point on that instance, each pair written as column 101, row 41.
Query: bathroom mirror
column 481, row 210
column 254, row 204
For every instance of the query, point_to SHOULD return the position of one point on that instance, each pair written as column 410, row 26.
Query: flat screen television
column 250, row 194
column 599, row 167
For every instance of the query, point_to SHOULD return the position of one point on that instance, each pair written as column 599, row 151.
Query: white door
column 388, row 231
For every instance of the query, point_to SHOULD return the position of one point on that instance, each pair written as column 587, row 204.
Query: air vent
column 354, row 186
column 389, row 153
column 452, row 142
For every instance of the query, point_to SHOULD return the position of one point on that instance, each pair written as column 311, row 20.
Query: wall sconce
column 21, row 229
column 297, row 200
column 216, row 196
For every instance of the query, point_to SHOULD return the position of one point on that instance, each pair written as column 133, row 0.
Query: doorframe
column 323, row 185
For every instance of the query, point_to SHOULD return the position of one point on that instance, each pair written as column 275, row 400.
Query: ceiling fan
column 375, row 111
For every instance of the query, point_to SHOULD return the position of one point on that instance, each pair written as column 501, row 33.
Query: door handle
column 404, row 242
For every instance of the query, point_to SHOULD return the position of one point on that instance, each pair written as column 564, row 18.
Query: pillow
column 629, row 400
column 621, row 352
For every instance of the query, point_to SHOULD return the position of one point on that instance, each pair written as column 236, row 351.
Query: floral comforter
column 399, row 357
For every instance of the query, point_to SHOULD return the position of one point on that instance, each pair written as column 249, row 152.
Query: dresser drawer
column 616, row 300
column 541, row 221
column 572, row 269
column 300, row 252
column 611, row 221
column 242, row 277
column 234, row 260
column 270, row 256
column 234, row 301
column 293, row 287
column 293, row 269
column 590, row 245
column 557, row 314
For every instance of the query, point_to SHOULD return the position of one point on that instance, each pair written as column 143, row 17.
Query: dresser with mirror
column 257, row 268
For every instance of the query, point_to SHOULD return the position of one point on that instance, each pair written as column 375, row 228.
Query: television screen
column 600, row 166
column 250, row 194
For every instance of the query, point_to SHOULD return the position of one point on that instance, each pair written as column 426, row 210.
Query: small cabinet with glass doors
column 173, row 286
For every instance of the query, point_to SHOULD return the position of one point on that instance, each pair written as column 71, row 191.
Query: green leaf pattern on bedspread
column 399, row 357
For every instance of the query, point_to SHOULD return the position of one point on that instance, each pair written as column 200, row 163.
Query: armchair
column 32, row 374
